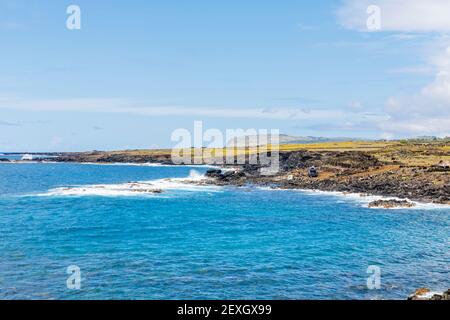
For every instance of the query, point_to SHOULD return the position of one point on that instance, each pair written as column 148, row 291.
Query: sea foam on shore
column 363, row 199
column 156, row 187
column 193, row 183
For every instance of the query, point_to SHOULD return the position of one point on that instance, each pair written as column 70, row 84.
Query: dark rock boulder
column 232, row 175
column 389, row 204
column 427, row 294
column 214, row 173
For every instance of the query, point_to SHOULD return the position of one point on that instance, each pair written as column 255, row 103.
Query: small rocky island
column 390, row 204
column 427, row 294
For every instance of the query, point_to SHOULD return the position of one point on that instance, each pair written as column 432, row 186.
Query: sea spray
column 141, row 188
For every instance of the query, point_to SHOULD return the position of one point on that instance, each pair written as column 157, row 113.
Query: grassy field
column 340, row 146
column 411, row 153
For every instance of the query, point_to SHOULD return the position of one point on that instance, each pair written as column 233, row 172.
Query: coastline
column 362, row 198
column 416, row 171
column 198, row 185
column 365, row 199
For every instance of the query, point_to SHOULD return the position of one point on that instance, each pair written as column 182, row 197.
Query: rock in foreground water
column 427, row 294
column 390, row 204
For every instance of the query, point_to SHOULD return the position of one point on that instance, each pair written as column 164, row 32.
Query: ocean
column 205, row 242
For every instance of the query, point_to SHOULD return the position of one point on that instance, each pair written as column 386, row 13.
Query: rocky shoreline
column 425, row 294
column 348, row 173
column 398, row 172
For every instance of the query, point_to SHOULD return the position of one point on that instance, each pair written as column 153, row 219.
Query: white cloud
column 398, row 15
column 126, row 106
column 433, row 100
column 426, row 112
column 417, row 126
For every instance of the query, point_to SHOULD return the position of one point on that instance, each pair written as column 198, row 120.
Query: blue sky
column 136, row 71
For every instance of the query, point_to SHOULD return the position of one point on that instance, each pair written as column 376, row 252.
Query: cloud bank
column 129, row 106
column 426, row 112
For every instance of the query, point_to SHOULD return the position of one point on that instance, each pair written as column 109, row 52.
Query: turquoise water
column 204, row 243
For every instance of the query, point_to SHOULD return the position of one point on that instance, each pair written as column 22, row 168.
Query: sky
column 138, row 70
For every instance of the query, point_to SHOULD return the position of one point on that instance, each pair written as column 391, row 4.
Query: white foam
column 429, row 295
column 143, row 188
column 364, row 200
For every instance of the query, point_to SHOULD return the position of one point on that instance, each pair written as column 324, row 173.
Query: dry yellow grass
column 406, row 153
column 340, row 146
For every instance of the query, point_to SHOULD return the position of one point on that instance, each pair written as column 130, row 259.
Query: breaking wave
column 159, row 187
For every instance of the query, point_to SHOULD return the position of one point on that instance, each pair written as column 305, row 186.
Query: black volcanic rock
column 389, row 204
column 426, row 294
column 214, row 173
column 368, row 172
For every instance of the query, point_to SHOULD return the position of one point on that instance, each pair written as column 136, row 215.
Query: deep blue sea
column 192, row 242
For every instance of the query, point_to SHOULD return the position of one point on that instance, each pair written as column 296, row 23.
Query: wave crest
column 192, row 183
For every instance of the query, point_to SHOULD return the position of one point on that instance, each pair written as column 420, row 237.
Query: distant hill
column 286, row 139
